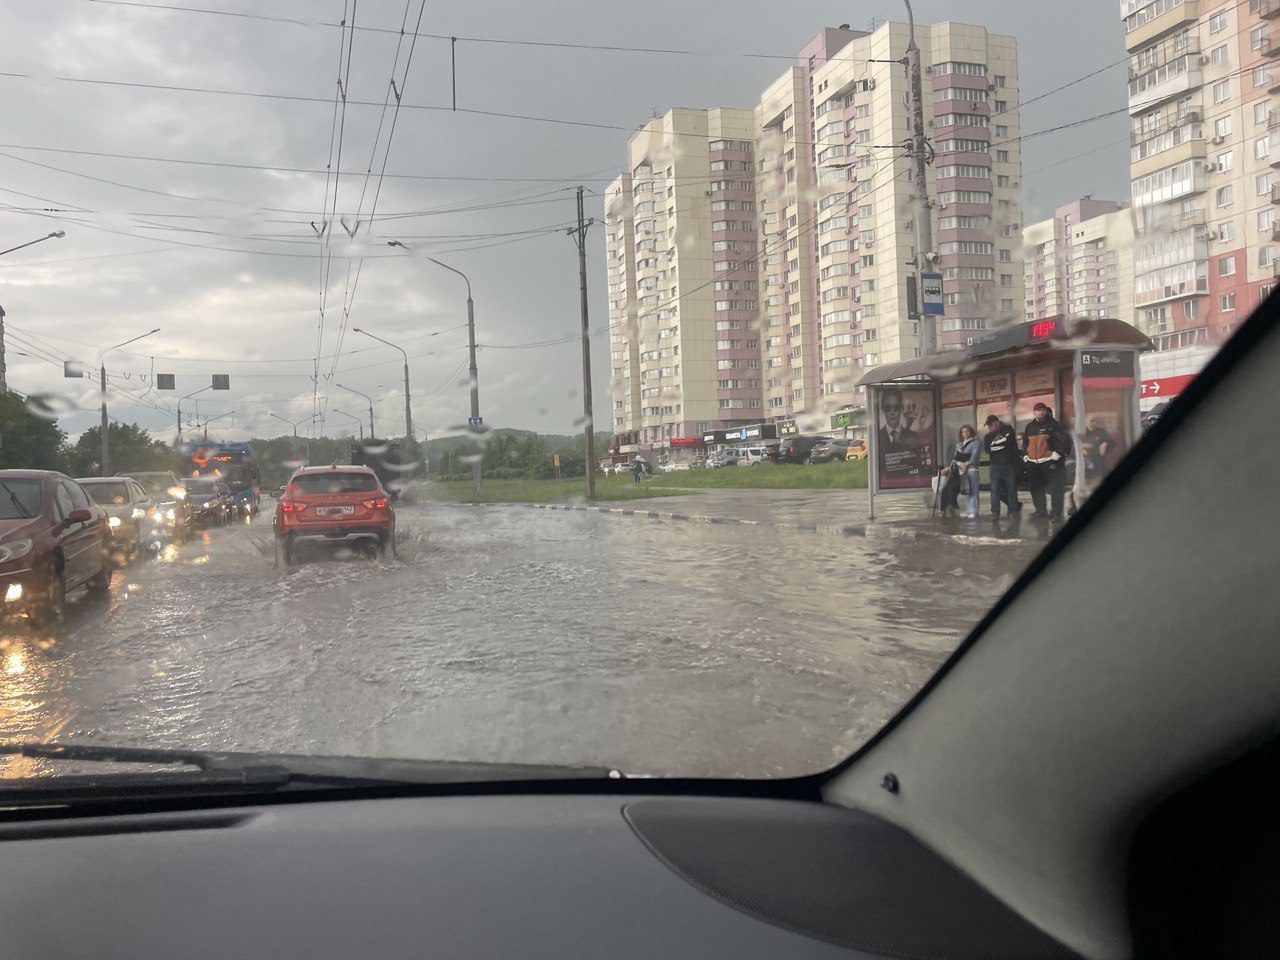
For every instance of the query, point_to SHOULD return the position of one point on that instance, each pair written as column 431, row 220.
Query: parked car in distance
column 797, row 449
column 211, row 502
column 53, row 539
column 826, row 451
column 728, row 457
column 341, row 505
column 750, row 456
column 130, row 513
column 672, row 466
column 173, row 512
column 857, row 450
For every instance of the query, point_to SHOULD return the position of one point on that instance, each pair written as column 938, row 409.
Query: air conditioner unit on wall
column 1211, row 235
column 1204, row 58
column 1217, row 140
column 1209, row 167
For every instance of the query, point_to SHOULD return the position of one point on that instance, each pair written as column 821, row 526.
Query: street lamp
column 208, row 420
column 102, row 379
column 474, row 421
column 408, row 414
column 372, row 432
column 188, row 397
column 295, row 423
column 359, row 422
column 56, row 235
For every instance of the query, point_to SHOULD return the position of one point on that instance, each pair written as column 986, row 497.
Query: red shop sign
column 1166, row 386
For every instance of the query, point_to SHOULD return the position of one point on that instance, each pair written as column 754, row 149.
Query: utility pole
column 4, row 380
column 102, row 375
column 580, row 235
column 921, row 153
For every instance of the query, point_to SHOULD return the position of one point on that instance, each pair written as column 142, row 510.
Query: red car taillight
column 375, row 504
column 292, row 506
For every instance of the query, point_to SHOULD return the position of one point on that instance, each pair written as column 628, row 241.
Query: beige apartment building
column 680, row 243
column 836, row 206
column 1079, row 262
column 1202, row 79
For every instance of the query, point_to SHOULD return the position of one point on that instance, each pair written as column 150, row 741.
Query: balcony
column 1141, row 100
column 1275, row 193
column 1168, row 17
column 1270, row 47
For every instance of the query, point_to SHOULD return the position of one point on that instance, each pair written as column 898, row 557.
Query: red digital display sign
column 1043, row 328
column 686, row 441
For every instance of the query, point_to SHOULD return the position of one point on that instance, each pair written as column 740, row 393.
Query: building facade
column 1079, row 262
column 836, row 197
column 680, row 244
column 1202, row 167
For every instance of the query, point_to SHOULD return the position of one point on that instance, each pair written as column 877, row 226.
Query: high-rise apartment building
column 1201, row 79
column 680, row 242
column 1079, row 262
column 836, row 205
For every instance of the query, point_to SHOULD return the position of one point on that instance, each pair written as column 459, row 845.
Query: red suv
column 53, row 539
column 338, row 504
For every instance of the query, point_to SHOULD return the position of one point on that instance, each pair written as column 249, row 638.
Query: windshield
column 19, row 499
column 336, row 482
column 107, row 494
column 667, row 390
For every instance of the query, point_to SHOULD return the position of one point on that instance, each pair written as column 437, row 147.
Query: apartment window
column 1261, row 112
column 1261, row 76
column 1189, row 309
column 1227, row 230
column 1218, row 22
column 1227, row 266
column 1262, row 184
column 1006, row 280
column 1223, row 196
column 1222, row 91
column 1266, row 256
column 1002, row 106
column 1002, row 156
column 1226, row 161
column 1218, row 55
column 998, row 81
column 1001, row 131
column 1006, row 305
column 1006, row 256
column 1261, row 147
column 1002, row 180
column 1222, row 126
column 1227, row 302
column 1257, row 38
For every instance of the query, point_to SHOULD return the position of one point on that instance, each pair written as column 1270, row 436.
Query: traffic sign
column 222, row 381
column 475, row 421
column 164, row 381
column 931, row 294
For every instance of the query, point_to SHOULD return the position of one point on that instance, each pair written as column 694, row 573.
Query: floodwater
column 510, row 634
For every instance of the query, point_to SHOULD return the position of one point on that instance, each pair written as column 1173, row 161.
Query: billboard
column 906, row 445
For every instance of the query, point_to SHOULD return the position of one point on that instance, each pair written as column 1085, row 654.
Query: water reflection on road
column 510, row 634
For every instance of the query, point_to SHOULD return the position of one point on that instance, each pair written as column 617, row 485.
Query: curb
column 869, row 530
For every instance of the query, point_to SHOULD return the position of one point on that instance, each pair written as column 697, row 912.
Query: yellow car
column 857, row 450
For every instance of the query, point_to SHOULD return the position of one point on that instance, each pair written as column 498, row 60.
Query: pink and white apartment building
column 1079, row 262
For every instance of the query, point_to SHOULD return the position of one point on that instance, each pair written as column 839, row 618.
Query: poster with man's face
column 905, row 450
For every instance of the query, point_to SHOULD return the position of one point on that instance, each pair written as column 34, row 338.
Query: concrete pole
column 581, row 235
column 922, row 217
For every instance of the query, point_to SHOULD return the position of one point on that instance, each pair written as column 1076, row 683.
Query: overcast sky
column 182, row 247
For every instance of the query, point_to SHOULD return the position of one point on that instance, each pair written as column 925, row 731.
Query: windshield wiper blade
column 269, row 770
column 21, row 507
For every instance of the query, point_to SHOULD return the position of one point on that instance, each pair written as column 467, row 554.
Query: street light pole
column 920, row 151
column 102, row 379
column 293, row 423
column 359, row 422
column 474, row 423
column 408, row 413
column 188, row 397
column 372, row 432
column 205, row 423
column 55, row 235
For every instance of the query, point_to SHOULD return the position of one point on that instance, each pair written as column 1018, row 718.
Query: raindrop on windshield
column 50, row 406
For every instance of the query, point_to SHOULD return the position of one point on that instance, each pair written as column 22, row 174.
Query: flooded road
column 510, row 634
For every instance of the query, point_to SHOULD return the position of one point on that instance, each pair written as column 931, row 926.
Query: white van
column 750, row 456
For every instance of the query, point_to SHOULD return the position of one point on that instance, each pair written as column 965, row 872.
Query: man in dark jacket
column 1045, row 445
column 1001, row 445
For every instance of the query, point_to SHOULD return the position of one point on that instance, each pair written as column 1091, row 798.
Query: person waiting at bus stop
column 1045, row 446
column 1001, row 445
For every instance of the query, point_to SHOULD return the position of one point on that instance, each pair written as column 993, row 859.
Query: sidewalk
column 846, row 513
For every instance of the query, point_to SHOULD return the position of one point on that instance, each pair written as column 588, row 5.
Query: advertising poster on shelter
column 906, row 454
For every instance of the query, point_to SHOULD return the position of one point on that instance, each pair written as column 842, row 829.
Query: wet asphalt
column 511, row 635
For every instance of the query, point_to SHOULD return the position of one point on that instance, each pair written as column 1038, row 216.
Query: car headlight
column 138, row 513
column 170, row 514
column 15, row 549
column 113, row 522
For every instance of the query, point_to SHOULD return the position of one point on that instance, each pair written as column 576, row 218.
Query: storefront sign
column 957, row 393
column 1166, row 386
column 1107, row 368
column 787, row 428
column 686, row 441
column 905, row 439
column 1039, row 380
column 709, row 438
column 994, row 389
column 842, row 420
column 760, row 431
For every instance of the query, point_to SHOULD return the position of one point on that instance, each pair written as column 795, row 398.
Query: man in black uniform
column 1045, row 446
column 1001, row 445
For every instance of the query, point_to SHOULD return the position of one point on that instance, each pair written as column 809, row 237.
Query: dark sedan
column 825, row 450
column 210, row 500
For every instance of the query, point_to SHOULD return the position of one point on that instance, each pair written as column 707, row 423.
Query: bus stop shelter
column 1086, row 370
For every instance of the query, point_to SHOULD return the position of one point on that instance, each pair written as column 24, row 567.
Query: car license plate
column 335, row 511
